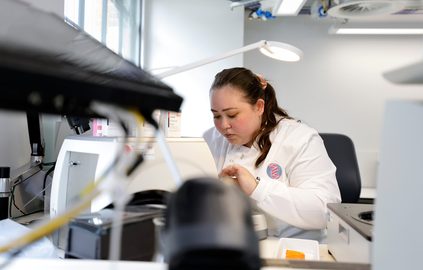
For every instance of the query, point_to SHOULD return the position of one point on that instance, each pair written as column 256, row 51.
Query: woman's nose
column 226, row 124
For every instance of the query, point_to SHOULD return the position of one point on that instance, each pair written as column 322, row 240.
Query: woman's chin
column 235, row 142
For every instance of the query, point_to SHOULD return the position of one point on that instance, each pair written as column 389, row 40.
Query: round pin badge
column 274, row 170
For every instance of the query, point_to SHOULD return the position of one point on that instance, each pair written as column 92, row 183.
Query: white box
column 310, row 248
column 108, row 128
column 171, row 124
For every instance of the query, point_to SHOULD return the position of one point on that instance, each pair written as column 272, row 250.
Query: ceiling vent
column 350, row 9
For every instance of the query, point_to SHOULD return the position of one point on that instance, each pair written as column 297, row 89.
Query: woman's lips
column 229, row 136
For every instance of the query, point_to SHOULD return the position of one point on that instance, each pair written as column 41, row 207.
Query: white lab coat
column 297, row 178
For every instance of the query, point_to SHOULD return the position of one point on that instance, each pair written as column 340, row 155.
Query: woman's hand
column 245, row 179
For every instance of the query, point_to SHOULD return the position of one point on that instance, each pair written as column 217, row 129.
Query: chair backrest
column 341, row 151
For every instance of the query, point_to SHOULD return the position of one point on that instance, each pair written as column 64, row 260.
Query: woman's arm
column 301, row 201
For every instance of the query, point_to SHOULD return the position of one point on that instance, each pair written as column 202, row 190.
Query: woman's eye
column 216, row 116
column 232, row 116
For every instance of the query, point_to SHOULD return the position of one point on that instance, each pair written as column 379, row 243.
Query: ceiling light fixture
column 376, row 31
column 288, row 7
column 276, row 50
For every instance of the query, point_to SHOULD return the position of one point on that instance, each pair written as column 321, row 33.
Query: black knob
column 4, row 172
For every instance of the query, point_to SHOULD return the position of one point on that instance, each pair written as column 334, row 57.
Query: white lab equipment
column 82, row 159
column 349, row 232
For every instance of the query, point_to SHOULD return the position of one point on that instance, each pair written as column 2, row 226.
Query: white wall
column 55, row 6
column 181, row 32
column 338, row 86
column 14, row 140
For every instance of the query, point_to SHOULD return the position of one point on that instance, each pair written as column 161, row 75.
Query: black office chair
column 341, row 151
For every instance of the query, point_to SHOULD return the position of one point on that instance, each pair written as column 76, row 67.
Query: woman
column 280, row 163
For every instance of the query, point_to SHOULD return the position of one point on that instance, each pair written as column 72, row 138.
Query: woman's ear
column 260, row 106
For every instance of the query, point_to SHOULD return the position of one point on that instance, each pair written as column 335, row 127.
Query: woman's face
column 234, row 117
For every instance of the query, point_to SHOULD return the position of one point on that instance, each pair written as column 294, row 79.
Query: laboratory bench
column 267, row 253
column 71, row 264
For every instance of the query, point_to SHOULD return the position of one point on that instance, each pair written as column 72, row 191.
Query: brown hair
column 250, row 84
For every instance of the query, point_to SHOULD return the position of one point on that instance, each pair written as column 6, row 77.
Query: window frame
column 129, row 23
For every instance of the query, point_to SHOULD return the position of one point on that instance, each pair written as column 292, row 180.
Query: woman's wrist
column 252, row 187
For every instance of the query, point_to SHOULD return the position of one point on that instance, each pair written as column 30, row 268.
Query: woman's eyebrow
column 227, row 109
